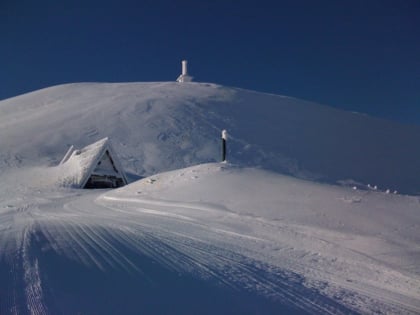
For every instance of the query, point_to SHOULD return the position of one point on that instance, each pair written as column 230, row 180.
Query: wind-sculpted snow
column 212, row 238
column 64, row 249
column 203, row 240
column 156, row 127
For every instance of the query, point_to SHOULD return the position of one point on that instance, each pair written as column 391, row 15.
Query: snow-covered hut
column 94, row 166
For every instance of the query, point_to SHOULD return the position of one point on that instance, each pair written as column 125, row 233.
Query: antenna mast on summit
column 184, row 77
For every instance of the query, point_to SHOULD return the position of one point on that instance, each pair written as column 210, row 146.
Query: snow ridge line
column 161, row 203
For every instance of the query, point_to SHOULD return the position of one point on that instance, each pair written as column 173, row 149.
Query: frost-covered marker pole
column 184, row 77
column 184, row 67
column 224, row 138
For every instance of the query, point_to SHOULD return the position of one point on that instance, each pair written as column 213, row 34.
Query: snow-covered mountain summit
column 156, row 127
column 212, row 238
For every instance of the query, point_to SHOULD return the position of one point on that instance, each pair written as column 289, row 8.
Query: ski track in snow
column 33, row 290
column 238, row 251
column 359, row 296
column 187, row 253
column 312, row 270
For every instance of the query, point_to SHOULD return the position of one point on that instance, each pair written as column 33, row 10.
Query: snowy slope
column 208, row 239
column 212, row 238
column 364, row 243
column 163, row 126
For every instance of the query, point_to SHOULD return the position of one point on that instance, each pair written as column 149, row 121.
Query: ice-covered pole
column 224, row 138
column 184, row 77
column 184, row 67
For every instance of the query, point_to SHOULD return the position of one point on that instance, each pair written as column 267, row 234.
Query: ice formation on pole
column 184, row 77
column 224, row 134
column 224, row 138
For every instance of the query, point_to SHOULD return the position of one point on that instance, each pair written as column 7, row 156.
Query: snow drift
column 208, row 239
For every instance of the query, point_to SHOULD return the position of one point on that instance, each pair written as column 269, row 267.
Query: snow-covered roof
column 79, row 165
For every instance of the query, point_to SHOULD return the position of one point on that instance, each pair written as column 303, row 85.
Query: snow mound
column 249, row 239
column 363, row 242
column 156, row 127
column 269, row 196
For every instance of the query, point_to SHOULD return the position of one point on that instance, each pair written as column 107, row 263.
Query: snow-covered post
column 224, row 138
column 184, row 67
column 184, row 76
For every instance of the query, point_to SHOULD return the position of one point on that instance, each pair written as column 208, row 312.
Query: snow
column 78, row 165
column 257, row 235
column 224, row 134
column 163, row 126
column 353, row 240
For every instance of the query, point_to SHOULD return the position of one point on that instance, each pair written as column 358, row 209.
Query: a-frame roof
column 82, row 163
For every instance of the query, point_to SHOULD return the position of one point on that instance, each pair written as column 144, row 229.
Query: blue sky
column 355, row 55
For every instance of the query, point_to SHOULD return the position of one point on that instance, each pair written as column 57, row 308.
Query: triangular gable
column 95, row 159
column 106, row 165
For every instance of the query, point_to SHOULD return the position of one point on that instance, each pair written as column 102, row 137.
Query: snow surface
column 156, row 127
column 211, row 238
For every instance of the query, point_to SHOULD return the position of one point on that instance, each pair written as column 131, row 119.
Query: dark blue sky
column 359, row 55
